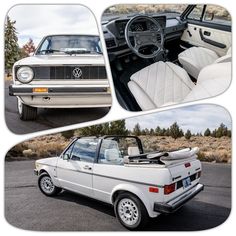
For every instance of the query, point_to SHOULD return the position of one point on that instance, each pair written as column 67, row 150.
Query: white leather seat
column 133, row 151
column 162, row 84
column 212, row 80
column 194, row 59
column 112, row 156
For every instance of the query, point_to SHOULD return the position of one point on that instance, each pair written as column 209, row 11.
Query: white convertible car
column 66, row 71
column 115, row 170
column 167, row 54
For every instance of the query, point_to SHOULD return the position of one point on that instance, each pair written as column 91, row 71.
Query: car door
column 109, row 170
column 75, row 166
column 208, row 26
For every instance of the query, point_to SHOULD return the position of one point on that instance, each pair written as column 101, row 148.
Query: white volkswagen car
column 115, row 170
column 66, row 71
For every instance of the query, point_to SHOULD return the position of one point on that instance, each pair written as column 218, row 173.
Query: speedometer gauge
column 152, row 27
column 138, row 27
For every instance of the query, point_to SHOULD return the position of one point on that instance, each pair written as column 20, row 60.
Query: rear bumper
column 173, row 205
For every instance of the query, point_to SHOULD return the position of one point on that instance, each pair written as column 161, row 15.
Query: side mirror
column 209, row 16
column 66, row 157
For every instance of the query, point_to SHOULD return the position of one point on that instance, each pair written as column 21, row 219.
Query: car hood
column 94, row 59
column 47, row 161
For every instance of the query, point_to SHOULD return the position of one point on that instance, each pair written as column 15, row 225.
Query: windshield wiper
column 49, row 51
column 71, row 52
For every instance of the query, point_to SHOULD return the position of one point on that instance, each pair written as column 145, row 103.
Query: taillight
column 199, row 174
column 153, row 190
column 169, row 189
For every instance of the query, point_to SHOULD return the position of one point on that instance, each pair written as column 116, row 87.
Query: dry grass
column 211, row 149
column 40, row 147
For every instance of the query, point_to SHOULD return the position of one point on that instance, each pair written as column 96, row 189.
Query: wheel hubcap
column 47, row 185
column 128, row 211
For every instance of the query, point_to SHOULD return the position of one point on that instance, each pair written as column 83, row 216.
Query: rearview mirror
column 209, row 16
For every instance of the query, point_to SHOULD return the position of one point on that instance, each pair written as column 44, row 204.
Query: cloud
column 37, row 21
column 195, row 118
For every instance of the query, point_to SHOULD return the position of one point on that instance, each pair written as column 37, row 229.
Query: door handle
column 207, row 33
column 190, row 35
column 209, row 41
column 87, row 168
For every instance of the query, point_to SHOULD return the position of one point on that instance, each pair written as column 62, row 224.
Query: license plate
column 186, row 182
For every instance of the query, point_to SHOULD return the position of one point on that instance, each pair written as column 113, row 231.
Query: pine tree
column 207, row 132
column 158, row 131
column 11, row 45
column 167, row 132
column 137, row 130
column 151, row 132
column 29, row 47
column 94, row 130
column 221, row 131
column 188, row 135
column 175, row 131
column 68, row 134
column 118, row 128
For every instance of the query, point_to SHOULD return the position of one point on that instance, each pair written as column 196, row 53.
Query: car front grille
column 68, row 72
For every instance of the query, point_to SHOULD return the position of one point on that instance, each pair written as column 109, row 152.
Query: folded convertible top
column 164, row 157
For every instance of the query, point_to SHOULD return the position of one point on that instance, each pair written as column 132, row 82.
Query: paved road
column 27, row 208
column 47, row 118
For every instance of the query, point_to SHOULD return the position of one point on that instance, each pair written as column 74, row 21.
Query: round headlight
column 25, row 74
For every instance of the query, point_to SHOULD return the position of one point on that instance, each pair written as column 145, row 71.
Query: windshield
column 70, row 44
column 128, row 9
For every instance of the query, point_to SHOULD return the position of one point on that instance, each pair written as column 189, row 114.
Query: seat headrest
column 133, row 151
column 112, row 154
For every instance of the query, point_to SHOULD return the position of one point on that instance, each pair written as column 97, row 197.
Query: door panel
column 75, row 175
column 192, row 36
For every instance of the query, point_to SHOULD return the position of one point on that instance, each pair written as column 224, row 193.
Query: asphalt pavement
column 47, row 118
column 27, row 208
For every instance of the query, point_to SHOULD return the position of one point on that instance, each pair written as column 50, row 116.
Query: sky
column 37, row 21
column 196, row 118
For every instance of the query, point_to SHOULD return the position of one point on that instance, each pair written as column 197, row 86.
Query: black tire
column 54, row 190
column 143, row 217
column 26, row 112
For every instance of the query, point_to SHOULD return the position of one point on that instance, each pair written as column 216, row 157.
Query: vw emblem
column 77, row 72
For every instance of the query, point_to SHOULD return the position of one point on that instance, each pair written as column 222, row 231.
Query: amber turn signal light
column 40, row 90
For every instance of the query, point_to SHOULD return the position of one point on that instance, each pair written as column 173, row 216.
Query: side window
column 84, row 150
column 196, row 13
column 113, row 151
column 217, row 14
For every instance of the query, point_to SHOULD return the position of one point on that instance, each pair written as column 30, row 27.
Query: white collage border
column 227, row 100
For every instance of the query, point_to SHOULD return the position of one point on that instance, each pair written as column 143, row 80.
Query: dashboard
column 114, row 30
column 140, row 25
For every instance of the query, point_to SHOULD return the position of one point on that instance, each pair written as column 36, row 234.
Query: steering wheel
column 147, row 37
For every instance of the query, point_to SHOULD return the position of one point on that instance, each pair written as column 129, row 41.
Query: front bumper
column 84, row 95
column 55, row 90
column 173, row 205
